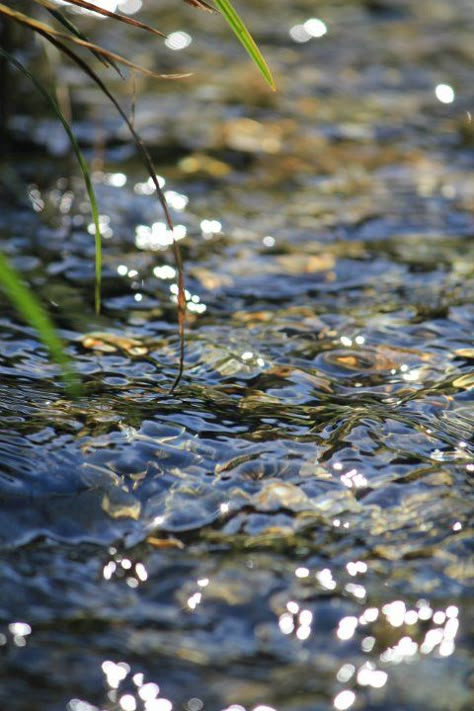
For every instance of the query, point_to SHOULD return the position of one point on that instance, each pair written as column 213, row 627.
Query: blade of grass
column 33, row 312
column 149, row 165
column 82, row 165
column 107, row 13
column 65, row 22
column 49, row 31
column 245, row 38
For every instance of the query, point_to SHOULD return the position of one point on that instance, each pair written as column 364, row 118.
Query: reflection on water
column 291, row 530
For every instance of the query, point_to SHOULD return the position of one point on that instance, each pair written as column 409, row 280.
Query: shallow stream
column 291, row 530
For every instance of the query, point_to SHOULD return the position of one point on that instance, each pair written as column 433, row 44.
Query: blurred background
column 291, row 529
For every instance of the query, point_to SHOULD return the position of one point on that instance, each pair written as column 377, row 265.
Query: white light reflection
column 346, row 628
column 358, row 591
column 311, row 29
column 158, row 235
column 344, row 700
column 115, row 673
column 424, row 610
column 158, row 705
column 130, row 7
column 405, row 649
column 368, row 675
column 104, row 225
column 178, row 40
column 79, row 705
column 148, row 188
column 149, row 691
column 354, row 568
column 116, row 180
column 194, row 600
column 177, row 201
column 411, row 617
column 164, row 272
column 286, row 623
column 22, row 629
column 301, row 572
column 127, row 702
column 369, row 615
column 325, row 579
column 353, row 479
column 367, row 644
column 445, row 93
column 210, row 228
column 345, row 673
column 395, row 612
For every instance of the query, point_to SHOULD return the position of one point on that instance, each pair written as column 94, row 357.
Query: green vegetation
column 69, row 40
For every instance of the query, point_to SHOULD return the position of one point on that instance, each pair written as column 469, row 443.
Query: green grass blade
column 33, row 312
column 82, row 164
column 245, row 38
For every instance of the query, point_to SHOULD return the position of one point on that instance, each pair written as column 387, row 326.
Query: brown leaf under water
column 111, row 343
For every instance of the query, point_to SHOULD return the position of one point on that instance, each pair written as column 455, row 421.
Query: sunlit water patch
column 291, row 529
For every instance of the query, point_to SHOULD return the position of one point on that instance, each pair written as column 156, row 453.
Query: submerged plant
column 70, row 41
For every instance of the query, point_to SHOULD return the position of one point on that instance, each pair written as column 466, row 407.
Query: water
column 292, row 529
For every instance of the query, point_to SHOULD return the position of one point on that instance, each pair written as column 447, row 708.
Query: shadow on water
column 292, row 529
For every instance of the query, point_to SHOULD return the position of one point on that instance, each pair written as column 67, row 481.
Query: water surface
column 292, row 528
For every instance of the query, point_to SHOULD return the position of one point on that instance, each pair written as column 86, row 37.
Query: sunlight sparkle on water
column 210, row 228
column 158, row 236
column 117, row 180
column 445, row 93
column 367, row 644
column 178, row 40
column 368, row 675
column 347, row 627
column 353, row 479
column 115, row 673
column 356, row 568
column 130, row 7
column 148, row 188
column 344, row 700
column 79, row 705
column 128, row 702
column 325, row 579
column 369, row 615
column 158, row 705
column 164, row 272
column 177, row 201
column 21, row 629
column 149, row 691
column 301, row 572
column 311, row 29
column 358, row 591
column 286, row 623
column 345, row 673
column 395, row 612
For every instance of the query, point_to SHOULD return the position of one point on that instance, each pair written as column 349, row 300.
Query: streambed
column 292, row 528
